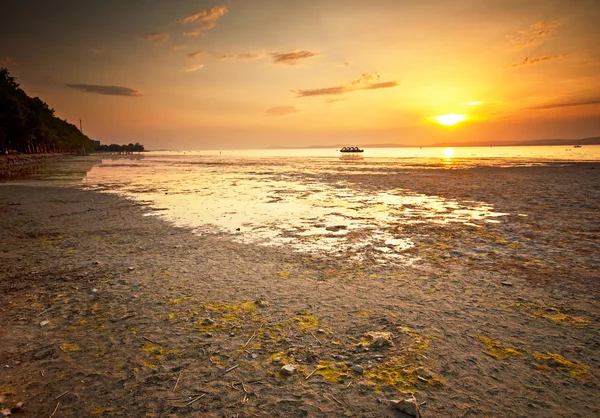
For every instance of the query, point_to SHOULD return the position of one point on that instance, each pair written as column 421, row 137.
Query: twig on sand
column 252, row 336
column 231, row 368
column 195, row 399
column 176, row 383
column 311, row 373
column 319, row 341
column 249, row 339
column 153, row 342
column 61, row 395
column 55, row 409
column 333, row 397
column 44, row 311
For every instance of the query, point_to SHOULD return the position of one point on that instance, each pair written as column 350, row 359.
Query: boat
column 351, row 153
column 352, row 149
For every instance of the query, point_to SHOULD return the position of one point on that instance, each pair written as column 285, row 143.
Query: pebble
column 408, row 406
column 44, row 323
column 506, row 283
column 358, row 369
column 288, row 370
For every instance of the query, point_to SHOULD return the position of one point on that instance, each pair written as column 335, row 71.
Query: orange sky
column 185, row 74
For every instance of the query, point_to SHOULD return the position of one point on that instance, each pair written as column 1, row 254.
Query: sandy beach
column 106, row 311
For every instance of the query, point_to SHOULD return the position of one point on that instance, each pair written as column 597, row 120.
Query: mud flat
column 106, row 311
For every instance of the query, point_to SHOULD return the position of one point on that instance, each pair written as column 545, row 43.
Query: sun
column 450, row 119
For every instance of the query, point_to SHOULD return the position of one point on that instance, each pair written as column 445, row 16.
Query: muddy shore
column 109, row 312
column 14, row 163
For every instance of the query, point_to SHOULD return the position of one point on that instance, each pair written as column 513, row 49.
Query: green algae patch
column 156, row 350
column 69, row 348
column 553, row 314
column 391, row 373
column 222, row 316
column 334, row 372
column 498, row 350
column 558, row 362
column 306, row 322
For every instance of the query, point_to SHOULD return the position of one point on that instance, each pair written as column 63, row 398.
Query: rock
column 276, row 359
column 44, row 323
column 261, row 303
column 321, row 331
column 380, row 339
column 506, row 283
column 424, row 373
column 130, row 268
column 288, row 370
column 408, row 406
column 358, row 369
column 17, row 408
column 44, row 353
column 97, row 263
column 208, row 335
column 456, row 254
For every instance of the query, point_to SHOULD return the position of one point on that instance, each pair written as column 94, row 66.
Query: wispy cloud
column 246, row 56
column 537, row 60
column 194, row 55
column 96, row 51
column 192, row 68
column 203, row 20
column 364, row 82
column 108, row 90
column 155, row 37
column 587, row 102
column 291, row 58
column 282, row 110
column 6, row 61
column 535, row 34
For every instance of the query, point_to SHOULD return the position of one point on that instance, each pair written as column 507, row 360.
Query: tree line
column 121, row 149
column 28, row 126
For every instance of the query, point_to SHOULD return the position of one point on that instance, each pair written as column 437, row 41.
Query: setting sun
column 449, row 119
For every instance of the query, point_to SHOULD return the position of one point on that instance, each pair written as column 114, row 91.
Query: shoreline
column 145, row 314
column 16, row 162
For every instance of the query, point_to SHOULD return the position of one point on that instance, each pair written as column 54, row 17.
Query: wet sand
column 109, row 312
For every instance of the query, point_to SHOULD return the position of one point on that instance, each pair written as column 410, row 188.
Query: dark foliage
column 28, row 125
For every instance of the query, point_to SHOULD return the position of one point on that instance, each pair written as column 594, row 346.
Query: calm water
column 302, row 199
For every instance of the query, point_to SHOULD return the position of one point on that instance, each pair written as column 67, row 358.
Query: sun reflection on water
column 285, row 205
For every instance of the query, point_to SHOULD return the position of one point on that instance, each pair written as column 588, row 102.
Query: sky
column 183, row 74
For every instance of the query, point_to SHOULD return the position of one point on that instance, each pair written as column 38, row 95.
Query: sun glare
column 448, row 152
column 449, row 119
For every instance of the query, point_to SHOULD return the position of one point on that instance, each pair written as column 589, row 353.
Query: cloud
column 96, row 51
column 203, row 20
column 537, row 60
column 6, row 61
column 247, row 56
column 567, row 104
column 155, row 37
column 195, row 55
column 192, row 68
column 536, row 33
column 282, row 110
column 364, row 82
column 109, row 90
column 291, row 58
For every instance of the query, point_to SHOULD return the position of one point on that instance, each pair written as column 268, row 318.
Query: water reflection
column 292, row 204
